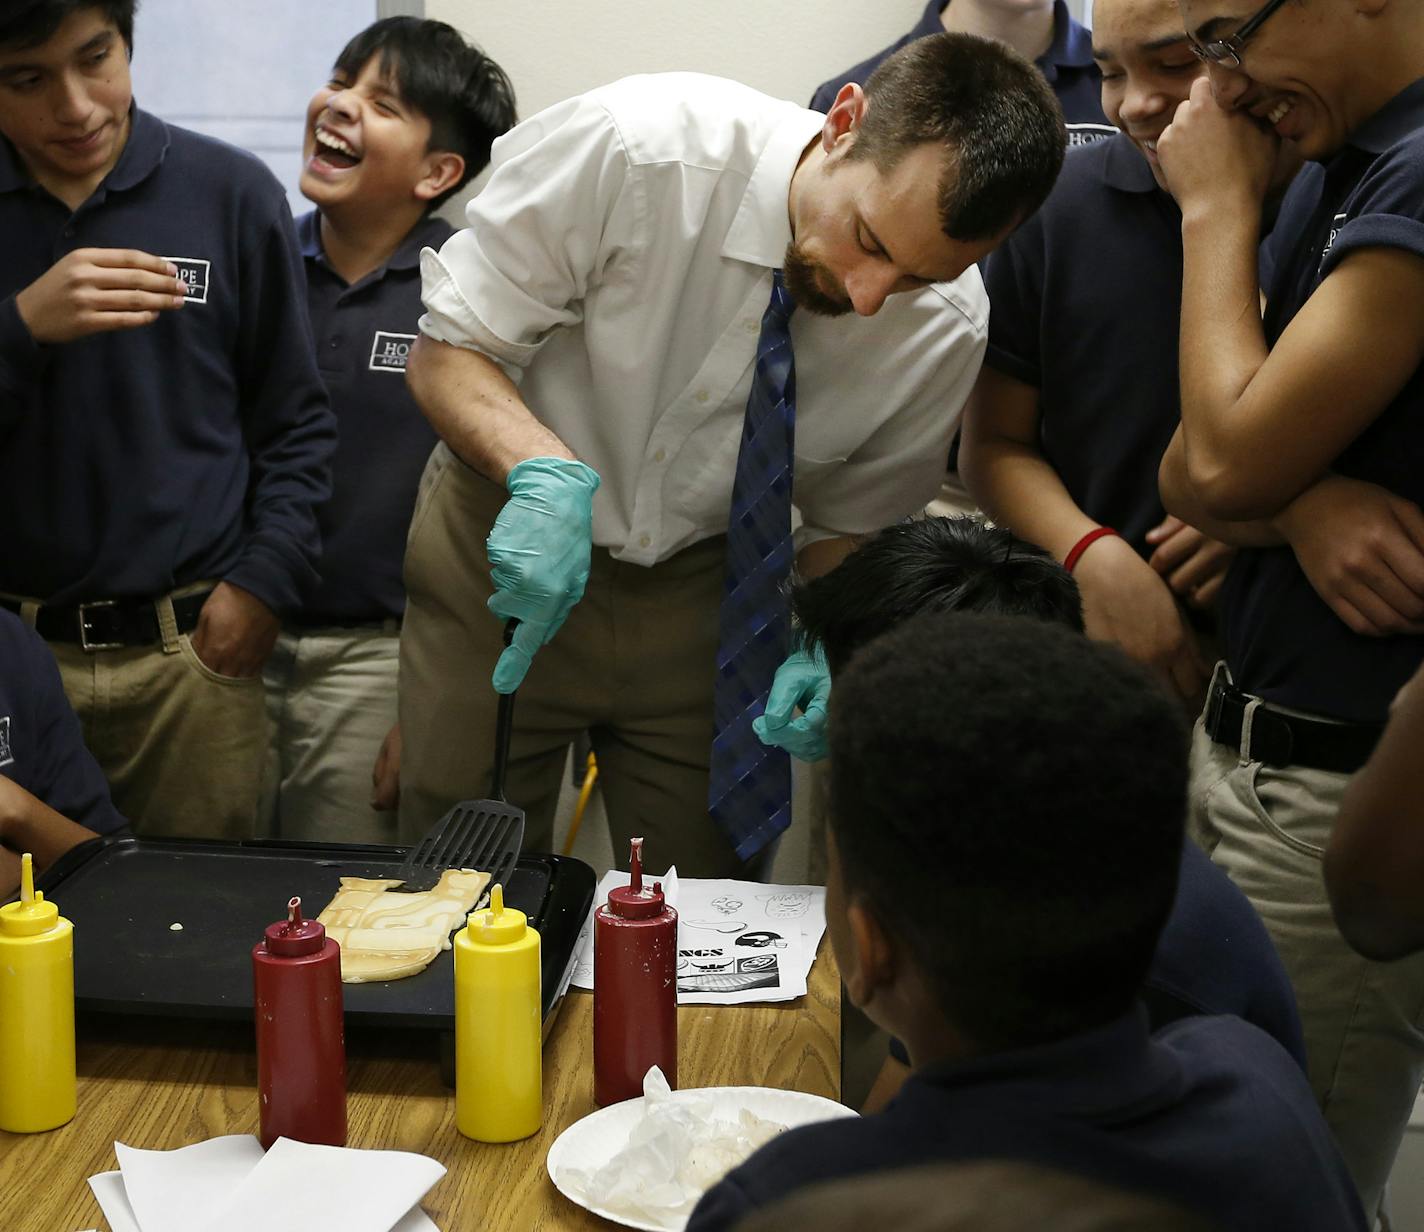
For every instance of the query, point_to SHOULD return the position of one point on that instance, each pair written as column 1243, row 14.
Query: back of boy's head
column 930, row 565
column 1008, row 799
column 462, row 92
column 28, row 23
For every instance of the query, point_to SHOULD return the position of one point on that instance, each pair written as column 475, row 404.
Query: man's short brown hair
column 991, row 109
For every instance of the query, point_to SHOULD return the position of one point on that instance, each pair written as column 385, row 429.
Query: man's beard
column 799, row 273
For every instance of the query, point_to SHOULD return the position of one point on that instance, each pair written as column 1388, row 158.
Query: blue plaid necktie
column 749, row 794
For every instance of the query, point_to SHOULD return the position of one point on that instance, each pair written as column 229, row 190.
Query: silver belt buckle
column 84, row 643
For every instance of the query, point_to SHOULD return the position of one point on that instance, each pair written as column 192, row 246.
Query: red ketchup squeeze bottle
column 634, row 988
column 301, row 1041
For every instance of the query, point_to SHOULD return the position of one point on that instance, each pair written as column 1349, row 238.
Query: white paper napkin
column 228, row 1185
column 109, row 1193
column 299, row 1187
column 173, row 1191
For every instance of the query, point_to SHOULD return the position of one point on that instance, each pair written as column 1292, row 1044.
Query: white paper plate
column 593, row 1141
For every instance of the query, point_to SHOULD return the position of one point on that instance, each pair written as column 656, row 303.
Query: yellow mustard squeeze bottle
column 37, row 1075
column 498, row 1027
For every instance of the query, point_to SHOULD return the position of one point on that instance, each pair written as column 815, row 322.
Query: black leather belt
column 111, row 624
column 1286, row 739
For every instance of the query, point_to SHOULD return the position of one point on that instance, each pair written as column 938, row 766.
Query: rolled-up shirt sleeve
column 559, row 208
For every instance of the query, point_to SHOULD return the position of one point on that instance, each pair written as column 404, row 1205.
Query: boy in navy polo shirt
column 406, row 120
column 1044, row 32
column 165, row 433
column 1330, row 380
column 1214, row 955
column 52, row 792
column 996, row 889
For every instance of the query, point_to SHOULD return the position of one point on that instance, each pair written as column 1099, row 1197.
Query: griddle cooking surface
column 125, row 897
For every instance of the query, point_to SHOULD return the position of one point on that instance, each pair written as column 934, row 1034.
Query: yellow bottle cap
column 31, row 915
column 497, row 924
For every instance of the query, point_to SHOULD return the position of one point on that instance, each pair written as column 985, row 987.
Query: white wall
column 555, row 48
column 217, row 67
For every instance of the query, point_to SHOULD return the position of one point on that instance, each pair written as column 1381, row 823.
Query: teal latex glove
column 539, row 550
column 803, row 682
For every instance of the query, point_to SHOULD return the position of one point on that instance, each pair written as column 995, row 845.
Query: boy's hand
column 1125, row 601
column 1362, row 549
column 1193, row 565
column 236, row 632
column 94, row 290
column 1215, row 159
column 385, row 774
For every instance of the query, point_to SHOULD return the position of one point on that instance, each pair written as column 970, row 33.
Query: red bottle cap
column 632, row 902
column 294, row 936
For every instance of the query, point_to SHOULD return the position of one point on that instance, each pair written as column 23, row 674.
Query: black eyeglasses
column 1227, row 51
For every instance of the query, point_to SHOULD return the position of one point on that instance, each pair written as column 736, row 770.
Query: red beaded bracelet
column 1083, row 544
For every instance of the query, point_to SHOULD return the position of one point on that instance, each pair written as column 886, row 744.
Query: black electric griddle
column 124, row 895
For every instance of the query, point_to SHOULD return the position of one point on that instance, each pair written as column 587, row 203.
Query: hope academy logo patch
column 193, row 272
column 6, row 755
column 390, row 351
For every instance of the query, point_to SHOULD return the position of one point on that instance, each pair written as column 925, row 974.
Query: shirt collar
column 1099, row 1075
column 762, row 228
column 1072, row 45
column 1125, row 168
column 429, row 232
column 1392, row 123
column 143, row 152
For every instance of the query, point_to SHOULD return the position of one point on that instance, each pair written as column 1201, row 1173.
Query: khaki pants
column 331, row 699
column 633, row 665
column 181, row 746
column 1267, row 828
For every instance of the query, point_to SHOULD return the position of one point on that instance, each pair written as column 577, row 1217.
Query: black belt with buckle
column 111, row 624
column 1287, row 739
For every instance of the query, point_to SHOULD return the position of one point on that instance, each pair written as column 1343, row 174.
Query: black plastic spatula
column 480, row 834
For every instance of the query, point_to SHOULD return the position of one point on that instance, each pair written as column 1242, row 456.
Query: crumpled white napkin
column 229, row 1185
column 675, row 1153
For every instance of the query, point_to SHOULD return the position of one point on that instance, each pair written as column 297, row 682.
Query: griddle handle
column 503, row 728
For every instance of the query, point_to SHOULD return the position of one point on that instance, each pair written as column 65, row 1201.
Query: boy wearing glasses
column 1329, row 381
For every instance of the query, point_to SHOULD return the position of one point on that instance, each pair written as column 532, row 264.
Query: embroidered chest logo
column 1335, row 224
column 390, row 351
column 193, row 272
column 1086, row 134
column 6, row 755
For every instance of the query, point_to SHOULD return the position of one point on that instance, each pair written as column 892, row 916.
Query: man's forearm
column 477, row 410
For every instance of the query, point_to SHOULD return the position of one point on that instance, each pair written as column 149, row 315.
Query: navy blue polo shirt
column 1085, row 303
column 1209, row 1113
column 364, row 332
column 1214, row 956
column 195, row 447
column 1282, row 642
column 41, row 747
column 1067, row 64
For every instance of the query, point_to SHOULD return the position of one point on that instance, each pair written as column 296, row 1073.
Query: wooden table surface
column 161, row 1084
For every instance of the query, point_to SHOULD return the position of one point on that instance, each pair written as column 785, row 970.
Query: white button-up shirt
column 617, row 265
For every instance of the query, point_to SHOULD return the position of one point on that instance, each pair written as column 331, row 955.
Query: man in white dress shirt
column 586, row 358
